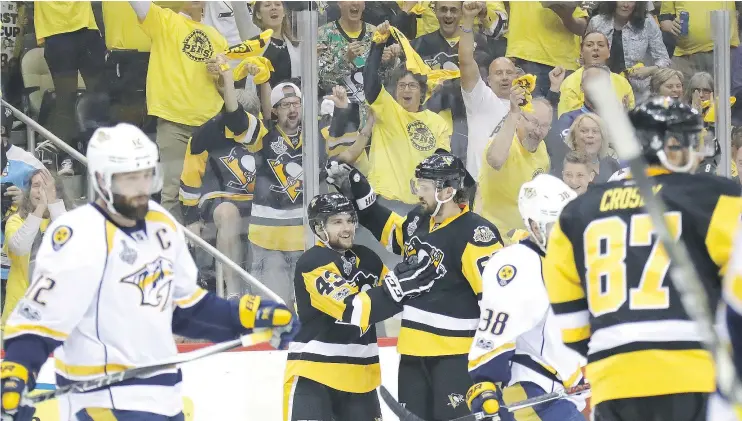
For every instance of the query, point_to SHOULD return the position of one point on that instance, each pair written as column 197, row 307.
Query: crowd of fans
column 218, row 86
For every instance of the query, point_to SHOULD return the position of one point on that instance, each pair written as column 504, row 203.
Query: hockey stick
column 683, row 275
column 257, row 337
column 405, row 415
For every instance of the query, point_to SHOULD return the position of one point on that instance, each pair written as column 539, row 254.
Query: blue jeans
column 275, row 269
column 95, row 414
column 556, row 410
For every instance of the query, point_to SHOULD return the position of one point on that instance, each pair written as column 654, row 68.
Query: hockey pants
column 305, row 399
column 558, row 410
column 434, row 388
column 676, row 407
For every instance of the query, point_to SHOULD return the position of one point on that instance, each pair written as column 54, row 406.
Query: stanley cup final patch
column 483, row 234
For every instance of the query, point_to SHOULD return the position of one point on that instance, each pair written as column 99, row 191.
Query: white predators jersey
column 516, row 316
column 109, row 296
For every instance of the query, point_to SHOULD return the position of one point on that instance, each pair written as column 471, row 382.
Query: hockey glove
column 282, row 336
column 256, row 312
column 486, row 397
column 15, row 385
column 351, row 183
column 411, row 278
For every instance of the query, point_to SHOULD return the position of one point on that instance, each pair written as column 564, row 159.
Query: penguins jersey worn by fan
column 444, row 320
column 607, row 279
column 517, row 339
column 220, row 162
column 108, row 299
column 337, row 346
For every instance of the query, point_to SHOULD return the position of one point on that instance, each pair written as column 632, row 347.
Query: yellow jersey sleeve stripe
column 392, row 231
column 560, row 272
column 575, row 334
column 472, row 263
column 191, row 300
column 325, row 277
column 475, row 363
column 88, row 370
column 722, row 226
column 12, row 331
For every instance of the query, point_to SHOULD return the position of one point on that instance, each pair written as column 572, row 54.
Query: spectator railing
column 720, row 20
column 198, row 241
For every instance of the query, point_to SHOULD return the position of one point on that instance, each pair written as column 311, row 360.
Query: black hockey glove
column 350, row 182
column 412, row 277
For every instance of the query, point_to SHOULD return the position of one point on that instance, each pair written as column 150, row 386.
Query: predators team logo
column 197, row 46
column 290, row 175
column 242, row 167
column 420, row 136
column 506, row 274
column 153, row 281
column 61, row 236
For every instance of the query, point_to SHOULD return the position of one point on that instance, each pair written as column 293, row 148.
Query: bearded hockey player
column 113, row 282
column 518, row 346
column 607, row 275
column 438, row 327
column 333, row 366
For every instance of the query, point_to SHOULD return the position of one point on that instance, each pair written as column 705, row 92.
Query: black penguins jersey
column 444, row 320
column 607, row 278
column 338, row 302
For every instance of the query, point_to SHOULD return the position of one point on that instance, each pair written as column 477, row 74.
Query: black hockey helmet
column 326, row 205
column 446, row 169
column 661, row 118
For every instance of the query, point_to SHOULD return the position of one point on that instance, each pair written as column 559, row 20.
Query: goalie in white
column 518, row 352
column 113, row 281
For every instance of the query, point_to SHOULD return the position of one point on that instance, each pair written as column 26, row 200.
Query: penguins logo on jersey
column 415, row 246
column 290, row 175
column 61, row 236
column 506, row 274
column 153, row 281
column 242, row 167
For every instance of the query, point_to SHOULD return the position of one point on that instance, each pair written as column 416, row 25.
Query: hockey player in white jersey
column 518, row 352
column 113, row 281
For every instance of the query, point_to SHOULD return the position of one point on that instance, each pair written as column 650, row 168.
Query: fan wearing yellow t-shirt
column 72, row 43
column 180, row 91
column 515, row 154
column 695, row 48
column 403, row 134
column 541, row 38
column 595, row 52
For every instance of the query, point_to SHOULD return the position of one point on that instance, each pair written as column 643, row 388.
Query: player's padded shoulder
column 313, row 258
column 158, row 214
column 479, row 231
column 709, row 183
column 84, row 222
column 505, row 265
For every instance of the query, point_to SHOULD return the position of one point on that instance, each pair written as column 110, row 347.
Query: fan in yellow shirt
column 540, row 38
column 595, row 53
column 403, row 134
column 23, row 230
column 491, row 19
column 515, row 154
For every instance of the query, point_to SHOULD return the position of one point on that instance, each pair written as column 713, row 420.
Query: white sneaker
column 66, row 168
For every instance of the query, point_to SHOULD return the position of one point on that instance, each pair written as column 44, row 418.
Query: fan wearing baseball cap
column 276, row 228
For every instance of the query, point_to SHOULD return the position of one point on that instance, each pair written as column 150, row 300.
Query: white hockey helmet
column 541, row 200
column 120, row 149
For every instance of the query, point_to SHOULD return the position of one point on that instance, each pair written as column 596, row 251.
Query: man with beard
column 277, row 226
column 342, row 289
column 113, row 282
column 438, row 327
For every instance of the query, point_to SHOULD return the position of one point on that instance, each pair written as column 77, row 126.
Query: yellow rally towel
column 265, row 66
column 627, row 72
column 527, row 82
column 709, row 114
column 415, row 63
column 250, row 48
